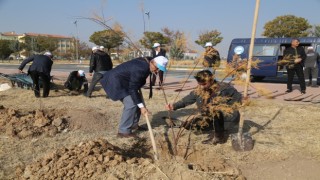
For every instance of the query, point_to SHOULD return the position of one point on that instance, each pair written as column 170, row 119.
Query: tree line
column 175, row 42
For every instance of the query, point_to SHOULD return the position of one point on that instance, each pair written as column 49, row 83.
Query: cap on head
column 101, row 48
column 48, row 53
column 81, row 73
column 94, row 48
column 204, row 76
column 156, row 45
column 161, row 63
column 208, row 44
column 310, row 48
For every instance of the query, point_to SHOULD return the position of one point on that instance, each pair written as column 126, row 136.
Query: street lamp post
column 77, row 50
column 148, row 14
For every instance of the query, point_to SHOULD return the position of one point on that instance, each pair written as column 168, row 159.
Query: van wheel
column 257, row 78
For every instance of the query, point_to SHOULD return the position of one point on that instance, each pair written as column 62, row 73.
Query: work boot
column 214, row 139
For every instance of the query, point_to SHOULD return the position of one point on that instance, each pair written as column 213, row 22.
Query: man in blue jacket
column 124, row 82
column 40, row 68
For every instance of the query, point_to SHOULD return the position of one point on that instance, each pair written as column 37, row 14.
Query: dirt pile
column 101, row 160
column 22, row 125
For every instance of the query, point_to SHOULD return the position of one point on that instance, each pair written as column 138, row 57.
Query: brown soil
column 72, row 137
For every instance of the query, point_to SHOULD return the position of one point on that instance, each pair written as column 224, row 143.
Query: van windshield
column 265, row 50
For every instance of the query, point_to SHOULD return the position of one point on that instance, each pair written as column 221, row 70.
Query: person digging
column 215, row 101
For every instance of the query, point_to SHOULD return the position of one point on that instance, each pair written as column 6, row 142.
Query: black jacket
column 161, row 53
column 41, row 63
column 290, row 52
column 75, row 80
column 100, row 61
column 224, row 90
column 126, row 79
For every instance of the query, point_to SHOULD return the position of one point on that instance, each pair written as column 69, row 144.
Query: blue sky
column 233, row 18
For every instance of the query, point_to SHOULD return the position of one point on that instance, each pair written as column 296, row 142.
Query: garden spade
column 241, row 141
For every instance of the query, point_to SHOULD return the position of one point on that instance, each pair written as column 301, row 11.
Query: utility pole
column 148, row 14
column 77, row 49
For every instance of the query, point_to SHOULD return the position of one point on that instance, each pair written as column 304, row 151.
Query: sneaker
column 303, row 91
column 288, row 90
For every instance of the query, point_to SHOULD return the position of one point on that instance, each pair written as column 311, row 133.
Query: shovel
column 241, row 141
column 153, row 142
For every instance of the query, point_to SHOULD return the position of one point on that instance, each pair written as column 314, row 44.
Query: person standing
column 124, row 82
column 76, row 80
column 211, row 58
column 296, row 56
column 208, row 95
column 40, row 68
column 157, row 51
column 100, row 63
column 311, row 66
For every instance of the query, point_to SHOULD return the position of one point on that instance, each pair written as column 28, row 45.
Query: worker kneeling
column 216, row 102
column 75, row 81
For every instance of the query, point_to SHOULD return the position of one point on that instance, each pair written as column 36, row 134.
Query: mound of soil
column 31, row 124
column 101, row 160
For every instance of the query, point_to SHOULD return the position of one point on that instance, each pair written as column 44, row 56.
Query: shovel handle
column 241, row 122
column 152, row 138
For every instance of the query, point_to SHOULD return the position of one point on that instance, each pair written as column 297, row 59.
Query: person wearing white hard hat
column 211, row 58
column 76, row 80
column 123, row 83
column 101, row 48
column 100, row 63
column 311, row 67
column 40, row 68
column 157, row 51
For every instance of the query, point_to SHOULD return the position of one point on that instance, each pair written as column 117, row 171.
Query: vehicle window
column 265, row 50
column 318, row 49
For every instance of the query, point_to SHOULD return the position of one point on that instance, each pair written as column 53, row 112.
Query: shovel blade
column 242, row 142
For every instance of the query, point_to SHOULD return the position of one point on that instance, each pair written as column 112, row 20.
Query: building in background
column 65, row 44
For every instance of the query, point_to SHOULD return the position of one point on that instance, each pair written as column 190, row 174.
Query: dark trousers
column 299, row 71
column 218, row 124
column 76, row 84
column 95, row 79
column 35, row 75
column 154, row 77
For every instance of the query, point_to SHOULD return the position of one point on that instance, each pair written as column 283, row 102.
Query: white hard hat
column 208, row 44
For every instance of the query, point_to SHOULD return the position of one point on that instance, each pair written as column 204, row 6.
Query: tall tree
column 151, row 37
column 110, row 38
column 209, row 36
column 5, row 49
column 286, row 26
column 177, row 44
column 315, row 32
column 39, row 43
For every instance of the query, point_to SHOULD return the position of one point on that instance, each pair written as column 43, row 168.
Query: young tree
column 110, row 38
column 209, row 36
column 286, row 26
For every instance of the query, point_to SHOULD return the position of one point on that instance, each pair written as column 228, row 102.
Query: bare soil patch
column 84, row 145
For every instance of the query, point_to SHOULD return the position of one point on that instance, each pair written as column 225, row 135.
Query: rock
column 11, row 112
column 57, row 122
column 25, row 133
column 40, row 122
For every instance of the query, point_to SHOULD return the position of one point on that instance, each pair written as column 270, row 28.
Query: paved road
column 175, row 78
